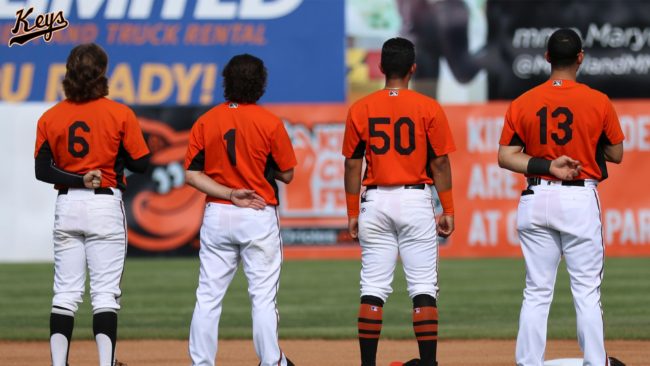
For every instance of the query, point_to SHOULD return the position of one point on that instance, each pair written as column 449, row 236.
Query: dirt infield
column 312, row 352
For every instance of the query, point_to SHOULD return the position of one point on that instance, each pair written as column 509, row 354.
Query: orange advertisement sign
column 485, row 195
column 165, row 215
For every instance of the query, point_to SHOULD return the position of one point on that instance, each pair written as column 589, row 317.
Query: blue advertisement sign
column 171, row 52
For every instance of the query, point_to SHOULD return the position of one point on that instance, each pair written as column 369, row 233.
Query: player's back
column 242, row 144
column 91, row 135
column 564, row 117
column 398, row 130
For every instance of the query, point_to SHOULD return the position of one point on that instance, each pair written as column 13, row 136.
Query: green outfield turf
column 319, row 299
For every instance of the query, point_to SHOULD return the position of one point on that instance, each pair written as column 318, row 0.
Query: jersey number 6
column 402, row 150
column 74, row 139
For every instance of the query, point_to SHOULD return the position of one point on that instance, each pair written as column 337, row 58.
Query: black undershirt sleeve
column 137, row 165
column 516, row 141
column 198, row 162
column 48, row 172
column 359, row 151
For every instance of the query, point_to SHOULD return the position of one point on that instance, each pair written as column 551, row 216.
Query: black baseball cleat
column 289, row 363
column 615, row 362
column 413, row 362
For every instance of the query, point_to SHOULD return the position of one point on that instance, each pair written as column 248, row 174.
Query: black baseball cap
column 563, row 47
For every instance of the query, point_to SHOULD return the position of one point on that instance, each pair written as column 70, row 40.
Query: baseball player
column 560, row 134
column 83, row 145
column 405, row 139
column 236, row 152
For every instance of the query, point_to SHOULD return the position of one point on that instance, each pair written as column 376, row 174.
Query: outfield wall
column 164, row 215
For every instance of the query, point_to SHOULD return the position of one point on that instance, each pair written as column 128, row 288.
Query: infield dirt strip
column 311, row 352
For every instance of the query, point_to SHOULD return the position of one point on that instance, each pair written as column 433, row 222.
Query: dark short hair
column 397, row 57
column 85, row 73
column 244, row 79
column 563, row 47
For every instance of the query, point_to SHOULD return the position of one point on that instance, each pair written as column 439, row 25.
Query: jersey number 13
column 565, row 125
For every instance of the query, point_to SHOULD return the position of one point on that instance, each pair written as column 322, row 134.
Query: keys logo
column 393, row 93
column 233, row 105
column 557, row 82
column 44, row 26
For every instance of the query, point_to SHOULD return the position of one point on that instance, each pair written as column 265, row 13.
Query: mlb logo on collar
column 393, row 93
column 557, row 82
column 233, row 105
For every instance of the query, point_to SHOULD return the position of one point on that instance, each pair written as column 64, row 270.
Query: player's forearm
column 352, row 179
column 352, row 175
column 207, row 185
column 285, row 176
column 441, row 169
column 614, row 153
column 513, row 159
column 47, row 172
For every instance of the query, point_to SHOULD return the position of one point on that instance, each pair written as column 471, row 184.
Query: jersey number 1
column 229, row 136
column 76, row 140
column 564, row 125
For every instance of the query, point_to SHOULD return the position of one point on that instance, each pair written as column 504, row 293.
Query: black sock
column 425, row 325
column 61, row 324
column 370, row 321
column 106, row 323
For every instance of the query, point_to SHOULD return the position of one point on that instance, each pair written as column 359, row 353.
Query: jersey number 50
column 402, row 121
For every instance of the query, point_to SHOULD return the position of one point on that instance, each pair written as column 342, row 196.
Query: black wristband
column 539, row 166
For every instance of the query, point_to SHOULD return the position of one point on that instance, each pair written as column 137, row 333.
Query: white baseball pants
column 398, row 221
column 230, row 234
column 89, row 231
column 558, row 221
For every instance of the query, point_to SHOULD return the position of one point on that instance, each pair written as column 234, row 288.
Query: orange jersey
column 563, row 117
column 397, row 130
column 239, row 146
column 92, row 135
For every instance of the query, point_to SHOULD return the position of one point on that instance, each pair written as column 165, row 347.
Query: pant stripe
column 277, row 285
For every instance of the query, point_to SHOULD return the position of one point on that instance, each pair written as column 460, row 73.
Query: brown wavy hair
column 244, row 79
column 85, row 73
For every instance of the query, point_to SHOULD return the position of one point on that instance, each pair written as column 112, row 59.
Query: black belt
column 407, row 186
column 105, row 190
column 535, row 181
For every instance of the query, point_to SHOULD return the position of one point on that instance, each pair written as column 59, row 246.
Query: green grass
column 319, row 299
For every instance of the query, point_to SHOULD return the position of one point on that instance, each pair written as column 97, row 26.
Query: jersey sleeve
column 282, row 149
column 509, row 136
column 133, row 139
column 353, row 146
column 612, row 126
column 195, row 156
column 439, row 134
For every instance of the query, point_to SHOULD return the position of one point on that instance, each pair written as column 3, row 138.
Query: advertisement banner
column 486, row 196
column 615, row 36
column 172, row 52
column 164, row 214
column 470, row 51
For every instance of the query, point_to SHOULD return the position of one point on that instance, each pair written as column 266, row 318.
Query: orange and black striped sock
column 370, row 319
column 425, row 325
